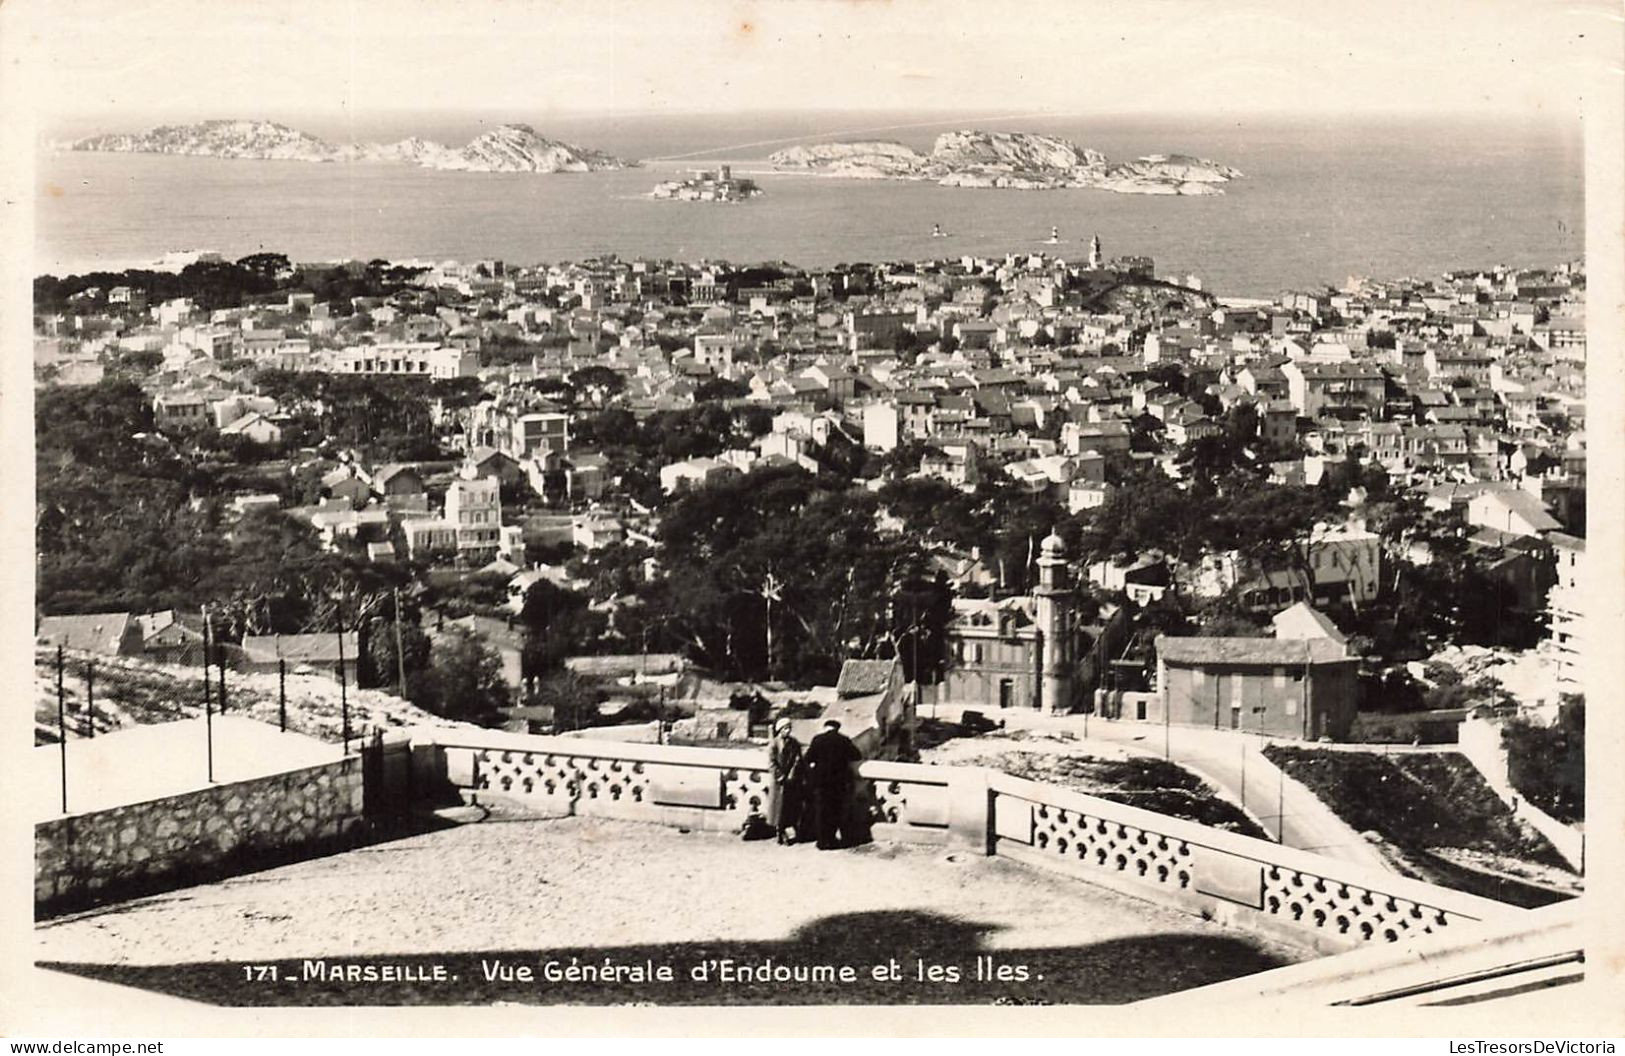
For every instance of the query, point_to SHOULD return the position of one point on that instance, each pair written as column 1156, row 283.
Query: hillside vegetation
column 131, row 692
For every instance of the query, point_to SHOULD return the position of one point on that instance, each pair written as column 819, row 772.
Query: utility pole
column 771, row 586
column 208, row 707
column 62, row 726
column 1243, row 740
column 344, row 696
column 1280, row 805
column 400, row 655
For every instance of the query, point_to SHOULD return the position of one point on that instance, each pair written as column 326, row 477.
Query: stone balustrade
column 1259, row 885
column 1256, row 884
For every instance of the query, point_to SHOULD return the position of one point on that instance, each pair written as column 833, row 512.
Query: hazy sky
column 244, row 58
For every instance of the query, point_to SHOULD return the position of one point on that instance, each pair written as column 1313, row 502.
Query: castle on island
column 708, row 185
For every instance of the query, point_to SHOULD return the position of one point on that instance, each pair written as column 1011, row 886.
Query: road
column 1231, row 762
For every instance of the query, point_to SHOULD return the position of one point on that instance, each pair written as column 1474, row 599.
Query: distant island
column 506, row 148
column 1016, row 160
column 707, row 186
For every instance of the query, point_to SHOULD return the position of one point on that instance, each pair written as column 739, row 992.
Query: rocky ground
column 1432, row 815
column 1098, row 769
column 133, row 692
column 507, row 890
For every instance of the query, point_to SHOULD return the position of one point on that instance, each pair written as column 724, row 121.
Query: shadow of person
column 891, row 930
column 939, row 959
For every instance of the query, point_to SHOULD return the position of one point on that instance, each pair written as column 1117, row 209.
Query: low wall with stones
column 161, row 844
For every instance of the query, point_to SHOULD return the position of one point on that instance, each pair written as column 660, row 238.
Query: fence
column 1303, row 897
column 82, row 695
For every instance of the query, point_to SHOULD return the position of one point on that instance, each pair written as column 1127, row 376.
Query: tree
column 573, row 702
column 267, row 267
column 775, row 549
column 719, row 389
column 382, row 658
column 557, row 624
column 1547, row 763
column 921, row 610
column 464, row 679
column 600, row 384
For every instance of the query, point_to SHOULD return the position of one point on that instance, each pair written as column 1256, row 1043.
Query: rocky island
column 1016, row 160
column 707, row 186
column 506, row 148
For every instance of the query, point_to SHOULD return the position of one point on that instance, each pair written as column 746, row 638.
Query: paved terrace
column 141, row 763
column 524, row 890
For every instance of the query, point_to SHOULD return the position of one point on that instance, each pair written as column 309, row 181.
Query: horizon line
column 484, row 111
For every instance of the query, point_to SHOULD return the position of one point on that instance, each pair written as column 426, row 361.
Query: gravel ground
column 481, row 899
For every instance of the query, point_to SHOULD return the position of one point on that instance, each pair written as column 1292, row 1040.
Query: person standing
column 829, row 773
column 784, row 803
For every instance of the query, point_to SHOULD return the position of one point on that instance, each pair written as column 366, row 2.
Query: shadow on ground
column 1108, row 972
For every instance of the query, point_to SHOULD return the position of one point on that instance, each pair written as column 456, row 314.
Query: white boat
column 938, row 232
column 1054, row 238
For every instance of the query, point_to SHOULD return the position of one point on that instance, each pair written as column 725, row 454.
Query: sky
column 189, row 60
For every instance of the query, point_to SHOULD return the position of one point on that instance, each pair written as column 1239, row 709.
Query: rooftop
column 98, row 632
column 1273, row 651
column 862, row 677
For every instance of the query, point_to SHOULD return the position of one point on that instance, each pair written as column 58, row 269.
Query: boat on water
column 938, row 232
column 1054, row 238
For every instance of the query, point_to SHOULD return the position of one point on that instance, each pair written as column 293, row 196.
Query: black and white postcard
column 725, row 516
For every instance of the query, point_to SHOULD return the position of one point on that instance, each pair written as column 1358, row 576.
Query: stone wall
column 176, row 841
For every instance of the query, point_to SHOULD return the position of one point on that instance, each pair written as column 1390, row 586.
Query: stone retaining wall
column 161, row 844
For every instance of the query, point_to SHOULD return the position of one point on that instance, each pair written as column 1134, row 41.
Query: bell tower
column 1054, row 604
column 1094, row 252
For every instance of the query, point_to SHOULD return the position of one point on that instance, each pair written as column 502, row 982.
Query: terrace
column 978, row 887
column 524, row 890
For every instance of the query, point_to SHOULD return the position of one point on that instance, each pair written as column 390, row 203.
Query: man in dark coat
column 828, row 764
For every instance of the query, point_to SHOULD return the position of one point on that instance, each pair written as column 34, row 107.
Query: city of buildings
column 1467, row 392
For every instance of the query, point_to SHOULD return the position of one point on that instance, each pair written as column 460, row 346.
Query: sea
column 1322, row 200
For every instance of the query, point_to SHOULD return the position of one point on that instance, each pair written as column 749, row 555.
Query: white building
column 471, row 526
column 421, row 359
column 1566, row 605
column 1343, row 562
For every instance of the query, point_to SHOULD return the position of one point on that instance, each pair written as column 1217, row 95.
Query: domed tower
column 1054, row 603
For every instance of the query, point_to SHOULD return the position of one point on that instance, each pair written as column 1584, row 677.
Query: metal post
column 1244, row 771
column 208, row 707
column 62, row 725
column 400, row 653
column 282, row 695
column 208, row 735
column 90, row 699
column 1280, row 805
column 344, row 695
column 220, row 670
column 1166, row 722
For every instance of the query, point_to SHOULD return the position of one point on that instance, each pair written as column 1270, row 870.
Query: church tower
column 1054, row 604
column 1094, row 252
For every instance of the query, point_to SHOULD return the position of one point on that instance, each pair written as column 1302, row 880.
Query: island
column 707, row 185
column 1014, row 160
column 506, row 148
